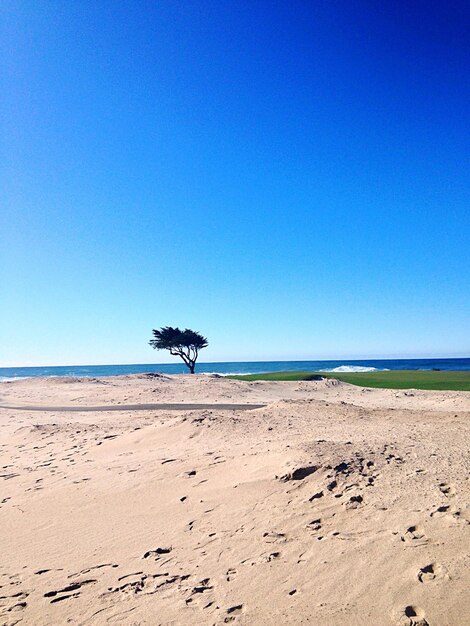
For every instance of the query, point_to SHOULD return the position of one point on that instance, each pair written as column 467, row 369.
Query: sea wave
column 9, row 379
column 353, row 368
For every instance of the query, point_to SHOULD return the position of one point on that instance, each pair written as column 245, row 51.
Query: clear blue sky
column 289, row 178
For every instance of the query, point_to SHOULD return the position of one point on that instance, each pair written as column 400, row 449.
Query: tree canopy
column 183, row 343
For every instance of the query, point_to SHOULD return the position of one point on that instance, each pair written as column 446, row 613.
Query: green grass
column 397, row 379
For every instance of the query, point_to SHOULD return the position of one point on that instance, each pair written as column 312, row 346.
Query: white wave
column 352, row 368
column 9, row 379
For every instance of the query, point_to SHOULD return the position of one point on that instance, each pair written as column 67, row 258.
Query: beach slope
column 328, row 505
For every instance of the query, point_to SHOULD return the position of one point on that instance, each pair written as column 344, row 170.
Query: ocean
column 238, row 367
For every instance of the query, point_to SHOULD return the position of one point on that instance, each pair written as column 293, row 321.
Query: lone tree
column 183, row 343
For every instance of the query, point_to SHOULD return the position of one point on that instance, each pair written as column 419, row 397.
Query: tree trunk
column 191, row 368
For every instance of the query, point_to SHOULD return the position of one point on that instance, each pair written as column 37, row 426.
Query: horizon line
column 372, row 358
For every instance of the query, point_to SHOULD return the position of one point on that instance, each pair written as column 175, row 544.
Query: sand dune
column 331, row 505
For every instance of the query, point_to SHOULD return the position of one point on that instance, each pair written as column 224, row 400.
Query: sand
column 329, row 505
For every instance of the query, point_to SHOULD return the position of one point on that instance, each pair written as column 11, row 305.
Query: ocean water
column 240, row 367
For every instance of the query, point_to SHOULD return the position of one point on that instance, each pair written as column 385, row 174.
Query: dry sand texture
column 332, row 505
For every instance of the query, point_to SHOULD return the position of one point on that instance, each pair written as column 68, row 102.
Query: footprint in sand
column 199, row 591
column 14, row 602
column 273, row 537
column 314, row 525
column 316, row 496
column 299, row 473
column 263, row 558
column 413, row 616
column 354, row 502
column 431, row 572
column 146, row 584
column 414, row 536
column 441, row 511
column 446, row 510
column 233, row 611
column 230, row 574
column 447, row 490
column 157, row 553
column 70, row 591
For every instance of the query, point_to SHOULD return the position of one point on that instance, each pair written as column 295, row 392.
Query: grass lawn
column 397, row 379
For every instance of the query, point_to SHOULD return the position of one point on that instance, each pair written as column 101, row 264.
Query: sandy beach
column 328, row 505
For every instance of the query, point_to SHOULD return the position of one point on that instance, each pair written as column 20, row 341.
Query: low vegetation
column 396, row 379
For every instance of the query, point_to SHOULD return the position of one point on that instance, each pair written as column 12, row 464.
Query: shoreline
column 243, row 367
column 441, row 380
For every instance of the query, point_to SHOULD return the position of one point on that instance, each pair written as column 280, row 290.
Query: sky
column 290, row 178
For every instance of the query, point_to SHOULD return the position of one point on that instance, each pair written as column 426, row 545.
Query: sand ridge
column 331, row 505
